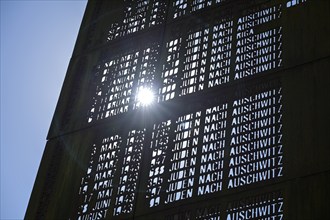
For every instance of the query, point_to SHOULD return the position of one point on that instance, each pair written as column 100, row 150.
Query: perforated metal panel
column 237, row 127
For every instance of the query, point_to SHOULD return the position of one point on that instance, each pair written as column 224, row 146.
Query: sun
column 145, row 96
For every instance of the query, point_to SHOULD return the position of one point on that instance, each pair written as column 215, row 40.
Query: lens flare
column 145, row 96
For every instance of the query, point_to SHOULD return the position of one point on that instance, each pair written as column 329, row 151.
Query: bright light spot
column 145, row 96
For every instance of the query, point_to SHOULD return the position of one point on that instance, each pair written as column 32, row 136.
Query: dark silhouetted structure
column 237, row 120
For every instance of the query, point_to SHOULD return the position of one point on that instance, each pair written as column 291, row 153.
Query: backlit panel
column 265, row 206
column 213, row 150
column 118, row 82
column 258, row 49
column 183, row 162
column 256, row 139
column 127, row 187
column 180, row 8
column 159, row 146
column 221, row 51
column 147, row 72
column 170, row 70
column 97, row 188
column 232, row 93
column 195, row 62
column 138, row 15
column 200, row 4
column 292, row 3
column 114, row 86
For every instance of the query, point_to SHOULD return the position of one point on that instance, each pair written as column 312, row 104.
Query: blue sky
column 37, row 40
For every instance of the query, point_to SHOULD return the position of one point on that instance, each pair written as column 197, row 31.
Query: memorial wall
column 199, row 109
